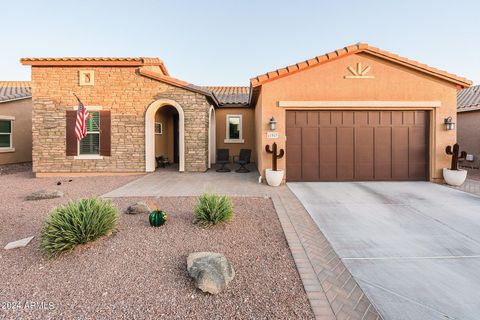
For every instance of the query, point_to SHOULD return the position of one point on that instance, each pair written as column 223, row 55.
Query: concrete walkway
column 414, row 247
column 332, row 291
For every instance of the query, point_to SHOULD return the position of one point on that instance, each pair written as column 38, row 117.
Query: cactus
column 455, row 157
column 275, row 155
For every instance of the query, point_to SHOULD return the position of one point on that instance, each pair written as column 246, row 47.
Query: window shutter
column 70, row 133
column 105, row 133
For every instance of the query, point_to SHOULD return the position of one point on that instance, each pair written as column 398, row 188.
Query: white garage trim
column 360, row 104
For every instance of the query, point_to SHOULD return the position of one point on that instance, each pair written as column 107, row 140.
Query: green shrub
column 76, row 223
column 212, row 209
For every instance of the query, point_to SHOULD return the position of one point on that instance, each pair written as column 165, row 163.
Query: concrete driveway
column 413, row 247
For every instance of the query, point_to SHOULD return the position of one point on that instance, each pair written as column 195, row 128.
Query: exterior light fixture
column 272, row 123
column 449, row 124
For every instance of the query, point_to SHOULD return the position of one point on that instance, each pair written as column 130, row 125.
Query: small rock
column 45, row 194
column 212, row 271
column 18, row 244
column 139, row 207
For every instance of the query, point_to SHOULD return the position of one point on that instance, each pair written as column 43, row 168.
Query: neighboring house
column 15, row 122
column 468, row 118
column 358, row 113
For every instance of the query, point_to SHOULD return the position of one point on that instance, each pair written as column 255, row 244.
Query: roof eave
column 178, row 83
column 346, row 51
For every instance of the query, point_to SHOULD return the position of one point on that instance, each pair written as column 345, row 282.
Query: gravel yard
column 140, row 272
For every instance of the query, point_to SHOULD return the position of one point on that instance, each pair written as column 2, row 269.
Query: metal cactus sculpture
column 275, row 155
column 454, row 152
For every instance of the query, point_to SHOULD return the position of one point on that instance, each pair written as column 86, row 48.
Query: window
column 5, row 134
column 234, row 129
column 158, row 128
column 91, row 143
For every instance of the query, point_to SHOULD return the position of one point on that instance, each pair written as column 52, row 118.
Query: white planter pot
column 454, row 177
column 274, row 178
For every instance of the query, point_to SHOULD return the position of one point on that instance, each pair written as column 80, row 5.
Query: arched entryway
column 172, row 109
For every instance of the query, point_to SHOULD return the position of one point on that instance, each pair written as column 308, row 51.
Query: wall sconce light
column 449, row 124
column 272, row 123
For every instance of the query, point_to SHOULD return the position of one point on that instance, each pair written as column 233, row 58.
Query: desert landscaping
column 139, row 271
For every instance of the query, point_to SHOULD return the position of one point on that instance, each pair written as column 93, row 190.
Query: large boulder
column 45, row 194
column 139, row 207
column 212, row 271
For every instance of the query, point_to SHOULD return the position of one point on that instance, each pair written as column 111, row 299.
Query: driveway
column 413, row 247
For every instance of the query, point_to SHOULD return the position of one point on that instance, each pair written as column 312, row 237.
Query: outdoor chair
column 162, row 162
column 243, row 160
column 223, row 158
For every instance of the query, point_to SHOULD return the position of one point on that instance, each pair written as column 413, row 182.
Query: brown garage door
column 357, row 145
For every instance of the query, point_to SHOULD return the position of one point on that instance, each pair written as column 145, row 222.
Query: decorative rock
column 45, row 194
column 212, row 271
column 139, row 207
column 18, row 244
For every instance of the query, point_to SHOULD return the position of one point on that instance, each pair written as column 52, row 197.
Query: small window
column 158, row 128
column 5, row 134
column 91, row 143
column 234, row 129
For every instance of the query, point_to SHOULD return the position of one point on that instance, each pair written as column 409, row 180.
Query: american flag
column 80, row 124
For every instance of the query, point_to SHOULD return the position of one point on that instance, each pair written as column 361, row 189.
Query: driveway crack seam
column 404, row 297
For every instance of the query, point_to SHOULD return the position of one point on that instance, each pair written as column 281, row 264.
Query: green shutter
column 90, row 144
column 93, row 122
column 5, row 126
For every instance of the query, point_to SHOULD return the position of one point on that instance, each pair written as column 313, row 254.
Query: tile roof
column 359, row 47
column 178, row 83
column 228, row 95
column 468, row 99
column 14, row 90
column 95, row 61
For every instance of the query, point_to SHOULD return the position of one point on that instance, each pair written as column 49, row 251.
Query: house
column 15, row 122
column 468, row 120
column 358, row 113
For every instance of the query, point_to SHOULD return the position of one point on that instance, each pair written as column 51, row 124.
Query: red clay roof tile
column 363, row 47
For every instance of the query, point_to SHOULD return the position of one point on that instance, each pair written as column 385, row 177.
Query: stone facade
column 127, row 95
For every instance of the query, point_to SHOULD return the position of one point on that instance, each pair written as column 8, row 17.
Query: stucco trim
column 359, row 104
column 212, row 136
column 150, row 133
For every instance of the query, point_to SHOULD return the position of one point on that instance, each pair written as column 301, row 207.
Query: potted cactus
column 274, row 176
column 455, row 176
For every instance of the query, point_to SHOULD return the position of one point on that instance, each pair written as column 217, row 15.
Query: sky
column 227, row 42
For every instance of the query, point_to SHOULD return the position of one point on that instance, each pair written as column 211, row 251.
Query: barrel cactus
column 157, row 218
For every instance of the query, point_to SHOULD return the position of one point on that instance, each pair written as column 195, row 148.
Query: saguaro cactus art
column 275, row 155
column 455, row 156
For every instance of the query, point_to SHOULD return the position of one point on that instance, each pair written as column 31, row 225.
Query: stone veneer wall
column 127, row 95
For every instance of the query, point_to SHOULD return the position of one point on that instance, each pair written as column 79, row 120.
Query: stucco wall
column 127, row 95
column 326, row 82
column 248, row 127
column 21, row 128
column 468, row 126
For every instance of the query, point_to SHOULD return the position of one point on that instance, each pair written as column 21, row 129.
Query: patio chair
column 243, row 160
column 162, row 162
column 223, row 158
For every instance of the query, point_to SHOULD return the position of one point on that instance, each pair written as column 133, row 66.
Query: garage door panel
column 400, row 153
column 294, row 151
column 328, row 153
column 345, row 152
column 417, row 152
column 383, row 153
column 331, row 145
column 364, row 153
column 310, row 148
